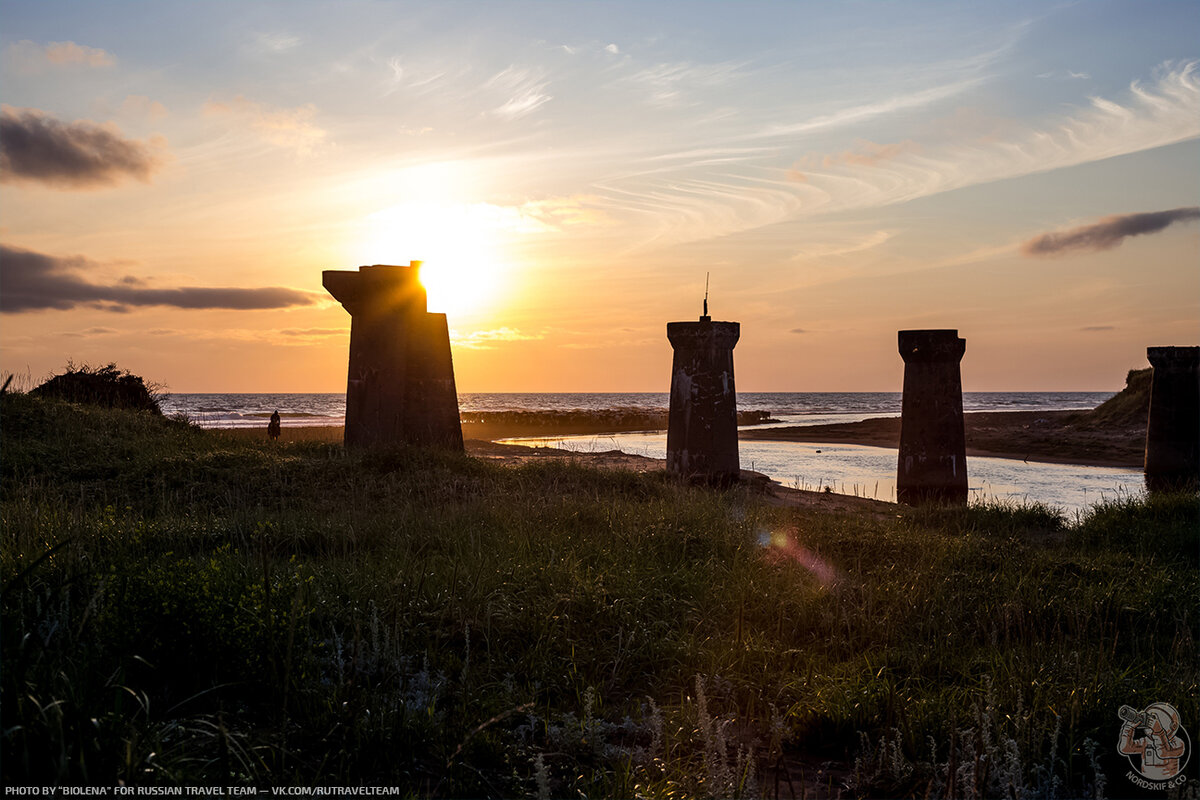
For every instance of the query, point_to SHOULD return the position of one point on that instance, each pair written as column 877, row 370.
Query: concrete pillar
column 1173, row 428
column 400, row 387
column 702, row 439
column 933, row 449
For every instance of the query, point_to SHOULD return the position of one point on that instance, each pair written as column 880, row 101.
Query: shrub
column 101, row 386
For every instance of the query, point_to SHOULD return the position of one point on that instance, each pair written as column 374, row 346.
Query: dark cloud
column 1095, row 328
column 69, row 155
column 1106, row 234
column 798, row 330
column 32, row 281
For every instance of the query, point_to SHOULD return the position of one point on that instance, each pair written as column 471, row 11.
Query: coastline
column 1057, row 437
column 774, row 492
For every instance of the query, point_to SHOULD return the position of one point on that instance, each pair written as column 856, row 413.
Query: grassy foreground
column 180, row 607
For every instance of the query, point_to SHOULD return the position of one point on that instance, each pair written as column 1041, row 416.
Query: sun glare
column 458, row 243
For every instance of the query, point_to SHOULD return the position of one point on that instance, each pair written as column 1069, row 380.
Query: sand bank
column 1061, row 437
column 1058, row 437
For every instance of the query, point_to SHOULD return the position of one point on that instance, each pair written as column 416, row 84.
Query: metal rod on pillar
column 702, row 442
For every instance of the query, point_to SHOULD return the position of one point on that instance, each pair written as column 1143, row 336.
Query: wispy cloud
column 864, row 154
column 559, row 213
column 681, row 83
column 1106, row 234
column 1167, row 113
column 865, row 111
column 486, row 339
column 30, row 57
column 33, row 281
column 1066, row 75
column 827, row 249
column 88, row 333
column 275, row 42
column 289, row 128
column 36, row 147
column 523, row 90
column 314, row 333
column 684, row 203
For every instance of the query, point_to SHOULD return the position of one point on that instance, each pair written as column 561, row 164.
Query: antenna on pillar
column 705, row 296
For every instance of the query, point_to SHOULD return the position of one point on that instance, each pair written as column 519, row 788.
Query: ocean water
column 848, row 469
column 791, row 408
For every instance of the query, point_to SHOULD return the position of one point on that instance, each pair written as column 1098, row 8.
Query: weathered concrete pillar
column 1173, row 428
column 400, row 388
column 702, row 439
column 933, row 449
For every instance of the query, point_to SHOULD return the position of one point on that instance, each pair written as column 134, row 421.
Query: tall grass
column 180, row 607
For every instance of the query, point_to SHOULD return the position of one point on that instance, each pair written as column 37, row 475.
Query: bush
column 101, row 386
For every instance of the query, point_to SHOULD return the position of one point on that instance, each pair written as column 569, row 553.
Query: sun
column 459, row 244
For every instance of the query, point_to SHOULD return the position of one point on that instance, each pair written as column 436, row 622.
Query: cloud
column 681, row 203
column 70, row 155
column 32, row 281
column 524, row 92
column 1164, row 114
column 278, row 42
column 89, row 332
column 31, row 57
column 556, row 213
column 1106, row 234
column 314, row 333
column 1094, row 328
column 798, row 330
column 865, row 154
column 483, row 340
column 1066, row 74
column 612, row 49
column 866, row 111
column 673, row 84
column 138, row 105
column 823, row 250
column 289, row 128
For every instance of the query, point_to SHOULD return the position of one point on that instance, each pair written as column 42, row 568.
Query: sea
column 848, row 469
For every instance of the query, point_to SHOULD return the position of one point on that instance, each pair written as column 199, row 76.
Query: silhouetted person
column 274, row 426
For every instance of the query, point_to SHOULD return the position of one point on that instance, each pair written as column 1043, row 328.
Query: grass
column 180, row 607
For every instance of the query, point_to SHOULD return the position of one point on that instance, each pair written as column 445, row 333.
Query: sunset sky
column 175, row 177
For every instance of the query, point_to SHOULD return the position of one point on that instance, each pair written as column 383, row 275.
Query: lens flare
column 783, row 547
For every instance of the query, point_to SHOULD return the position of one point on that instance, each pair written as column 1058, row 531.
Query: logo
column 1156, row 745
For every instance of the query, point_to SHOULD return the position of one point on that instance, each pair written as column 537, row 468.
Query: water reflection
column 871, row 471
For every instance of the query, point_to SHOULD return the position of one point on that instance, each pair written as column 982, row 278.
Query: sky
column 174, row 177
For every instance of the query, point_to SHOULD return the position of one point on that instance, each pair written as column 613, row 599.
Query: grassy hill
column 184, row 608
column 1129, row 407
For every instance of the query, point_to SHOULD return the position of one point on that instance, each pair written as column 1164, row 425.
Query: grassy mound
column 1129, row 407
column 100, row 386
column 184, row 608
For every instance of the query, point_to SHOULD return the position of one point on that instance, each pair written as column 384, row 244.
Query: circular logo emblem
column 1155, row 742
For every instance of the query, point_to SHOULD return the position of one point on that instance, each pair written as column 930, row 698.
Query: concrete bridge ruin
column 400, row 386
